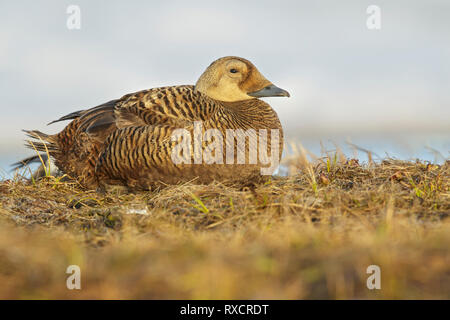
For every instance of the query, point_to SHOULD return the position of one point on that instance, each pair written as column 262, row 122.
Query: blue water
column 434, row 148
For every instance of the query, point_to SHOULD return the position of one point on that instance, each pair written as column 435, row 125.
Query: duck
column 173, row 134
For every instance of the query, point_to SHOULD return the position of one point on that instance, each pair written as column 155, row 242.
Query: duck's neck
column 252, row 113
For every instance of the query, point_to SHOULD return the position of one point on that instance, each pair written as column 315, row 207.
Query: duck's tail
column 45, row 147
column 41, row 142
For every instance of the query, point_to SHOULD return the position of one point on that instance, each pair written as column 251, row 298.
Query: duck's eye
column 233, row 71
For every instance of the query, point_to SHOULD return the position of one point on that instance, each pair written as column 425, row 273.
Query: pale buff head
column 235, row 79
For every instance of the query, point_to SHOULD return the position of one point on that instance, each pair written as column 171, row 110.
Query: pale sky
column 342, row 76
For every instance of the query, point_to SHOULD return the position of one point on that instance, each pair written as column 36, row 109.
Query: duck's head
column 235, row 79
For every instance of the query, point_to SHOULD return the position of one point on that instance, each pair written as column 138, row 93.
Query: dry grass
column 309, row 235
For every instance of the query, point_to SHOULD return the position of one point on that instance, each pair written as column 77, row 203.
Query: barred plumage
column 130, row 141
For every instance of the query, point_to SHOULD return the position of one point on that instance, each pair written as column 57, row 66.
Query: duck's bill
column 270, row 91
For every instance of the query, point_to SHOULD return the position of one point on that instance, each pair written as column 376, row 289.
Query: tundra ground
column 309, row 235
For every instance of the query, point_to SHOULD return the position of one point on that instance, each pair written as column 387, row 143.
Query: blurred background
column 384, row 90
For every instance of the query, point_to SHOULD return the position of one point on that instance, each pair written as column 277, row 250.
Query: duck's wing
column 158, row 106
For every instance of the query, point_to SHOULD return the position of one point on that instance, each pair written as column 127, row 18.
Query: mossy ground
column 309, row 235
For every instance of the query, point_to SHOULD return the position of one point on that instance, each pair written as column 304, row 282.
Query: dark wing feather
column 33, row 159
column 86, row 112
column 69, row 116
